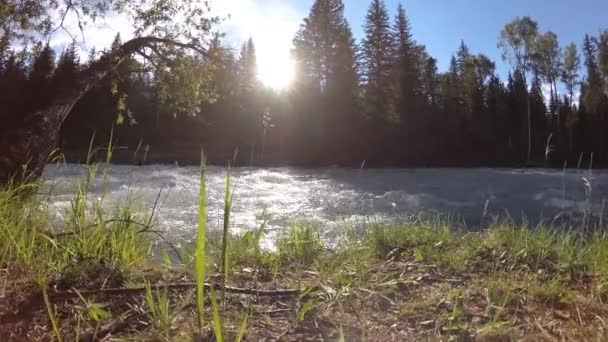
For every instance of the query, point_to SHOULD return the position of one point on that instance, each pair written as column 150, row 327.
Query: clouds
column 271, row 23
column 561, row 92
column 98, row 35
column 267, row 21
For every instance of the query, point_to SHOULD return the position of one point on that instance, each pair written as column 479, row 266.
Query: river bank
column 190, row 154
column 94, row 276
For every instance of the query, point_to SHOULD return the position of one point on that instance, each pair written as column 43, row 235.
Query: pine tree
column 377, row 58
column 496, row 105
column 479, row 71
column 407, row 74
column 226, row 68
column 39, row 90
column 12, row 88
column 519, row 117
column 4, row 50
column 250, row 115
column 593, row 94
column 326, row 63
column 43, row 64
column 467, row 82
column 462, row 56
column 540, row 132
column 345, row 87
column 67, row 69
column 454, row 107
column 467, row 79
column 602, row 45
column 593, row 98
column 247, row 68
column 430, row 82
column 316, row 43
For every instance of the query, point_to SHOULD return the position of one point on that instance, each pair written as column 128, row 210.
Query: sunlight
column 275, row 67
column 271, row 24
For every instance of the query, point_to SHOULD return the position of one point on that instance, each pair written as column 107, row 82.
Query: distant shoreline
column 191, row 157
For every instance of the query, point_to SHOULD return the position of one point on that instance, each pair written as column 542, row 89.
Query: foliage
column 378, row 51
column 301, row 243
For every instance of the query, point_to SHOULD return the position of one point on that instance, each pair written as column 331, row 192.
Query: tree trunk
column 529, row 106
column 26, row 146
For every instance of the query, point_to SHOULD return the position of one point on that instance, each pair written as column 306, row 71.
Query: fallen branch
column 181, row 286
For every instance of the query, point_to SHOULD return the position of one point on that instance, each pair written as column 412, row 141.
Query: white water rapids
column 335, row 196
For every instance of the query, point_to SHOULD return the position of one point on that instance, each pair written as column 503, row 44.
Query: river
column 334, row 197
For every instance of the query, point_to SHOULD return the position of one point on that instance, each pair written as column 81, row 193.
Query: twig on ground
column 229, row 289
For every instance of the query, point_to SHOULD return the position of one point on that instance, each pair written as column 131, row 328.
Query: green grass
column 89, row 236
column 515, row 267
column 228, row 197
column 51, row 312
column 88, row 244
column 201, row 258
column 301, row 243
column 95, row 312
column 507, row 245
column 218, row 329
column 159, row 310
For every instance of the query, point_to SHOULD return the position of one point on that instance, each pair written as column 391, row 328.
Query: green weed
column 301, row 243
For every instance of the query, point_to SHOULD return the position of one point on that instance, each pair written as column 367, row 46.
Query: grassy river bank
column 95, row 275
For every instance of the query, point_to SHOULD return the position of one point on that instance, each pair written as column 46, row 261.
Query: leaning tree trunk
column 26, row 146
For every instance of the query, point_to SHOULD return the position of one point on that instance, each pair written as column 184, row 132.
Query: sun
column 275, row 66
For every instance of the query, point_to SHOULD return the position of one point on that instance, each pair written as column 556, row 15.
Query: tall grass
column 51, row 312
column 89, row 235
column 159, row 310
column 200, row 257
column 226, row 231
column 218, row 329
column 87, row 243
column 301, row 243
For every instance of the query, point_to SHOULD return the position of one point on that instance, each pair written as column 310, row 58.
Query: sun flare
column 275, row 67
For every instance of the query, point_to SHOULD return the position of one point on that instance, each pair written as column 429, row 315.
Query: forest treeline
column 380, row 100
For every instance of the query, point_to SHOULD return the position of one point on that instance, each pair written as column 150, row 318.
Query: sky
column 438, row 24
column 441, row 24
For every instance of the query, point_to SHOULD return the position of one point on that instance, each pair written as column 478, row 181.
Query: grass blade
column 226, row 235
column 217, row 321
column 51, row 313
column 200, row 259
column 242, row 329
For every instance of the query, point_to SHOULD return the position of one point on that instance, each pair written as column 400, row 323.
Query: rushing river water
column 334, row 196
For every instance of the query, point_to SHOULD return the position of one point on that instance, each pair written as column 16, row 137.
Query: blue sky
column 441, row 24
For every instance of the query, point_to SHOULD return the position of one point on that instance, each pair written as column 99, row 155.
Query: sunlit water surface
column 337, row 197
